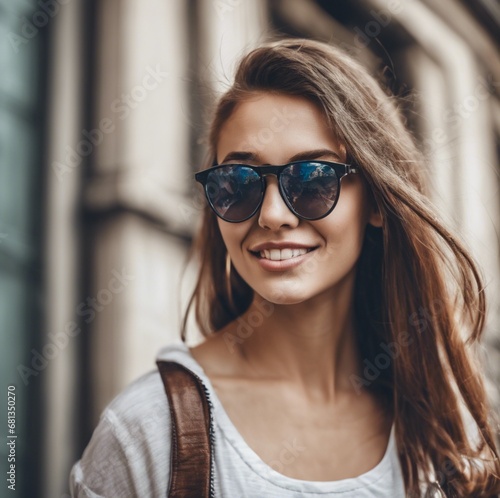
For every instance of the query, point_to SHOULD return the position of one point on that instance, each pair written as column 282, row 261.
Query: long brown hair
column 419, row 297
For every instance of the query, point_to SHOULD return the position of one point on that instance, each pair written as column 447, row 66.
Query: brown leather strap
column 190, row 475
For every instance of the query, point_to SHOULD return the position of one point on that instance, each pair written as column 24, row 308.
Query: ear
column 375, row 217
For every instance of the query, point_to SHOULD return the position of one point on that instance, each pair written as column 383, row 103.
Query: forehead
column 275, row 127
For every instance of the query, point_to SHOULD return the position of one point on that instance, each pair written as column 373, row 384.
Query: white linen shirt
column 129, row 452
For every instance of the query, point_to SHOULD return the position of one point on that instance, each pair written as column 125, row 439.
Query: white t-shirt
column 129, row 453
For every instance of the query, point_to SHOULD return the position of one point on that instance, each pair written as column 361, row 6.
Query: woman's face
column 273, row 129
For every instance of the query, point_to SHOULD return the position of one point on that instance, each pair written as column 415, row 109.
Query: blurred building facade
column 103, row 108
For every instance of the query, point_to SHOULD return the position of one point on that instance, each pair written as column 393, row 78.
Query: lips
column 283, row 259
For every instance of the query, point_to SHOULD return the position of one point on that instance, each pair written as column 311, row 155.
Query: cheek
column 233, row 234
column 344, row 240
column 344, row 228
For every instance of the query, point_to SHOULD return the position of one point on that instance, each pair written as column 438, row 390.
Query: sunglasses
column 310, row 189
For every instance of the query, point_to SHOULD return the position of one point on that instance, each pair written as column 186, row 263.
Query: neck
column 310, row 345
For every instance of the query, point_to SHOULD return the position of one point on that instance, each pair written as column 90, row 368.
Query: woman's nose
column 274, row 213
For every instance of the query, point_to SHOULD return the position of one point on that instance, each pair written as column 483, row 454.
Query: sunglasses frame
column 341, row 169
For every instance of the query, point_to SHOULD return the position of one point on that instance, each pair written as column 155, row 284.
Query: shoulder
column 129, row 452
column 219, row 356
column 139, row 412
column 141, row 401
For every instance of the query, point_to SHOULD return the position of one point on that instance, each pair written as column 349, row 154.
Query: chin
column 284, row 297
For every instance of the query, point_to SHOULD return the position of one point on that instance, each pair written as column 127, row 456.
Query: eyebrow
column 301, row 156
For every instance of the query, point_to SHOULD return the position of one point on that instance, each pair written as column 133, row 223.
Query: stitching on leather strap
column 191, row 455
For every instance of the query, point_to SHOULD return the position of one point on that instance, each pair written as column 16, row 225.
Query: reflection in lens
column 234, row 191
column 311, row 188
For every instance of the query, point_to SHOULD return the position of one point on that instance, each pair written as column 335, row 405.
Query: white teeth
column 281, row 254
column 275, row 254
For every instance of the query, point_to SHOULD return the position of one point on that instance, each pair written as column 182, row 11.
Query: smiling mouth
column 282, row 254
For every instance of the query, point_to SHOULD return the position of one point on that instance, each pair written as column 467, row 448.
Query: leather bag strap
column 191, row 453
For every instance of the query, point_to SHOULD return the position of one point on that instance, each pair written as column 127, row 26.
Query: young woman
column 340, row 314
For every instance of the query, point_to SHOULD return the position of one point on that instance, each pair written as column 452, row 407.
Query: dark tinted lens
column 235, row 191
column 311, row 188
